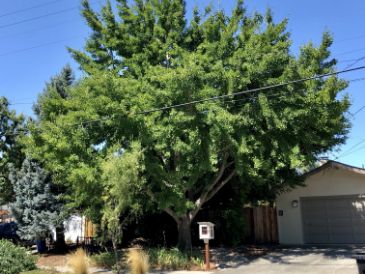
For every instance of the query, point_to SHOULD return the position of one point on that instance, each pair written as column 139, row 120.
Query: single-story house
column 328, row 209
column 78, row 229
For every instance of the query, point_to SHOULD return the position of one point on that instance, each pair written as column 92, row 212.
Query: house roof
column 336, row 165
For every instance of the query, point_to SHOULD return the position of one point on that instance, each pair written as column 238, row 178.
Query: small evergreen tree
column 36, row 208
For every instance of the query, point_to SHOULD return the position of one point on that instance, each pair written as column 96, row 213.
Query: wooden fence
column 261, row 225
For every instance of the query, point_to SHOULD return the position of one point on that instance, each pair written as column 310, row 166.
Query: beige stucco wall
column 328, row 182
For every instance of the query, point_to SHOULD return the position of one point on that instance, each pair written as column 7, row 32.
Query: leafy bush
column 104, row 259
column 173, row 259
column 160, row 258
column 14, row 259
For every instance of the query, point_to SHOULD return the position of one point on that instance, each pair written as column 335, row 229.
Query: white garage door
column 334, row 219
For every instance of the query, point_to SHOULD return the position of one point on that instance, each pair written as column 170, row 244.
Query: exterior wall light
column 294, row 203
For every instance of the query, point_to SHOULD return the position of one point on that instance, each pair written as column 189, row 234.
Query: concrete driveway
column 295, row 260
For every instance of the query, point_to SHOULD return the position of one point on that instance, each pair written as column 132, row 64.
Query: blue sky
column 33, row 51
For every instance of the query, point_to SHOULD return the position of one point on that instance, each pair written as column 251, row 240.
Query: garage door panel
column 334, row 220
column 339, row 213
column 358, row 229
column 359, row 238
column 341, row 230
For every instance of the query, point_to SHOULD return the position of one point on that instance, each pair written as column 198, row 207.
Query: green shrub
column 14, row 259
column 173, row 259
column 104, row 259
column 160, row 258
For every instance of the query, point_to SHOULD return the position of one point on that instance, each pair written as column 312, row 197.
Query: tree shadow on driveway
column 286, row 255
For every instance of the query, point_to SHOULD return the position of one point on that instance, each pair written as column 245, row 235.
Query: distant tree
column 148, row 57
column 11, row 126
column 47, row 105
column 36, row 209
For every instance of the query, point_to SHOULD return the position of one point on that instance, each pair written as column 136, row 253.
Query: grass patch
column 104, row 259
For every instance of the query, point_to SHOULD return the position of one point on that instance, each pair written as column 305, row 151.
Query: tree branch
column 213, row 187
column 219, row 186
column 172, row 214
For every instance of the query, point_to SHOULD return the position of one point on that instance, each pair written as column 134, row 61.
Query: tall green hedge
column 14, row 259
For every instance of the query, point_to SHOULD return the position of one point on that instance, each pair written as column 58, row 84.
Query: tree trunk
column 184, row 230
column 115, row 250
column 60, row 244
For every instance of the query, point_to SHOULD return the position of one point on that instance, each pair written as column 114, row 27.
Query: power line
column 27, row 9
column 351, row 149
column 351, row 38
column 32, row 31
column 279, row 95
column 38, row 46
column 358, row 111
column 230, row 101
column 355, row 62
column 217, row 97
column 253, row 90
column 351, row 51
column 37, row 17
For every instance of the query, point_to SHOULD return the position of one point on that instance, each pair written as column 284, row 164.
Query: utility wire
column 27, row 9
column 358, row 111
column 253, row 90
column 38, row 46
column 37, row 17
column 351, row 51
column 48, row 26
column 214, row 98
column 350, row 150
column 355, row 62
column 19, row 101
column 351, row 38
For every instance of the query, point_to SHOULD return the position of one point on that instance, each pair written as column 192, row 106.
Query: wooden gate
column 261, row 222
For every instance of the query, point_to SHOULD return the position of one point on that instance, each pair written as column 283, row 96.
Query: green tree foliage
column 145, row 57
column 36, row 209
column 47, row 106
column 15, row 259
column 11, row 125
column 121, row 192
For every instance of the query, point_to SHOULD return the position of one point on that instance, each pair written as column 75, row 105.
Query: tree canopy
column 146, row 56
column 11, row 125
